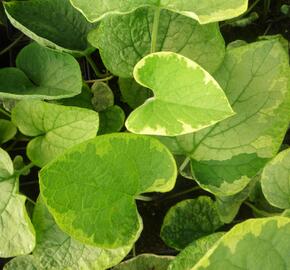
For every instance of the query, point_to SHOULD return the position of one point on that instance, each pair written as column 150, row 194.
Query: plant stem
column 28, row 199
column 267, row 5
column 25, row 168
column 144, row 198
column 260, row 212
column 184, row 164
column 11, row 45
column 28, row 183
column 101, row 80
column 134, row 251
column 178, row 194
column 94, row 66
column 155, row 29
column 5, row 113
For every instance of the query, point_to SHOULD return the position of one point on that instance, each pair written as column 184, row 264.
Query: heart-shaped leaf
column 55, row 127
column 204, row 12
column 37, row 75
column 189, row 220
column 52, row 23
column 124, row 40
column 186, row 97
column 17, row 235
column 253, row 244
column 7, row 131
column 91, row 189
column 276, row 180
column 226, row 156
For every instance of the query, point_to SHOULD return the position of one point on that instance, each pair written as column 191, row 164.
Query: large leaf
column 53, row 23
column 7, row 131
column 91, row 189
column 124, row 40
column 253, row 244
column 204, row 12
column 17, row 235
column 186, row 97
column 38, row 75
column 226, row 156
column 55, row 127
column 189, row 220
column 189, row 256
column 146, row 262
column 57, row 250
column 276, row 180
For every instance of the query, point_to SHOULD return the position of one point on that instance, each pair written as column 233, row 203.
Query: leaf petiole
column 5, row 113
column 94, row 66
column 11, row 45
column 155, row 29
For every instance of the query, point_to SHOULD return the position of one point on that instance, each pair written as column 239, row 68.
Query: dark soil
column 270, row 22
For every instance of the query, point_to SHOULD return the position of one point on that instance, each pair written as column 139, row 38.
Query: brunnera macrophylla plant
column 215, row 114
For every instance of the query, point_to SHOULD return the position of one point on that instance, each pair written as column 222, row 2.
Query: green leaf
column 229, row 206
column 133, row 93
column 17, row 235
column 186, row 99
column 111, row 120
column 22, row 263
column 83, row 100
column 103, row 96
column 55, row 127
column 125, row 40
column 275, row 180
column 189, row 220
column 204, row 12
column 103, row 213
column 146, row 262
column 52, row 23
column 253, row 244
column 37, row 75
column 57, row 250
column 189, row 256
column 7, row 131
column 226, row 156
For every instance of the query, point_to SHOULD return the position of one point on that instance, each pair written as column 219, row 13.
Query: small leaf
column 125, row 40
column 22, row 263
column 83, row 100
column 229, row 206
column 189, row 220
column 55, row 127
column 146, row 262
column 275, row 180
column 103, row 96
column 17, row 235
column 7, row 131
column 57, row 250
column 52, row 23
column 37, row 75
column 133, row 93
column 204, row 12
column 186, row 98
column 111, row 120
column 189, row 256
column 253, row 244
column 91, row 189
